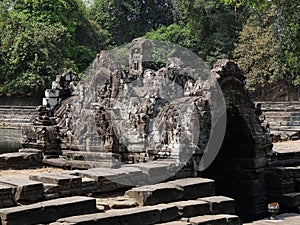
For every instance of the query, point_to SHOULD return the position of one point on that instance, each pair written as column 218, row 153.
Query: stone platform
column 284, row 219
column 283, row 118
column 182, row 201
column 16, row 116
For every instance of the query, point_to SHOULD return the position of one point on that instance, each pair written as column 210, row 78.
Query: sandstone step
column 26, row 190
column 7, row 198
column 181, row 189
column 128, row 176
column 294, row 171
column 32, row 150
column 194, row 188
column 20, row 160
column 176, row 223
column 48, row 211
column 75, row 164
column 156, row 171
column 220, row 204
column 158, row 214
column 136, row 216
column 120, row 202
column 286, row 128
column 60, row 179
column 216, row 220
column 86, row 155
column 291, row 200
column 156, row 194
column 15, row 120
column 191, row 208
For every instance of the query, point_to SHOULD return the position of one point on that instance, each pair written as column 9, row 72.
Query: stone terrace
column 183, row 201
column 284, row 119
column 16, row 116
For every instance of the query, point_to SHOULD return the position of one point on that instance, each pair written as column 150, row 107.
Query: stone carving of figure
column 137, row 62
column 177, row 134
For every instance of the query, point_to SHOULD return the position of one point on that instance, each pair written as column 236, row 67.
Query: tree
column 40, row 39
column 128, row 19
column 31, row 54
column 206, row 27
column 273, row 44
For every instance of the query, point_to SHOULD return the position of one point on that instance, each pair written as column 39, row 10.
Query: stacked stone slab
column 283, row 118
column 16, row 116
column 284, row 158
column 20, row 160
column 190, row 198
column 7, row 193
column 47, row 211
column 25, row 190
column 283, row 185
column 208, row 210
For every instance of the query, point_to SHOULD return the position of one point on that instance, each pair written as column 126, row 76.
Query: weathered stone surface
column 88, row 185
column 60, row 179
column 26, row 190
column 156, row 172
column 176, row 223
column 27, row 215
column 102, row 174
column 192, row 208
column 70, row 206
column 117, row 203
column 295, row 171
column 291, row 200
column 106, row 179
column 156, row 194
column 32, row 150
column 250, row 163
column 168, row 212
column 7, row 193
column 48, row 211
column 194, row 188
column 251, row 188
column 215, row 220
column 136, row 216
column 20, row 160
column 220, row 204
column 134, row 176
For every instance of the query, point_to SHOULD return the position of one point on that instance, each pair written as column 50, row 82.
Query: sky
column 88, row 2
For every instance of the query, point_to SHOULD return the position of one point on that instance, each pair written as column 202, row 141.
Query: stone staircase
column 283, row 180
column 16, row 116
column 284, row 119
column 182, row 201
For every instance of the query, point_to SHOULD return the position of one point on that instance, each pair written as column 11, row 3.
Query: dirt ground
column 287, row 146
column 28, row 172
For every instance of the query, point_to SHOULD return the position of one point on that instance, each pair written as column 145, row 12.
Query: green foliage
column 268, row 48
column 40, row 39
column 206, row 27
column 173, row 33
column 128, row 19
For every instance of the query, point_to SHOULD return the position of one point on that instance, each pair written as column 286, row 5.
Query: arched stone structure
column 169, row 113
column 240, row 165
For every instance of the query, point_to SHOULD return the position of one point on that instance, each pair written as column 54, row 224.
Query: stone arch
column 239, row 166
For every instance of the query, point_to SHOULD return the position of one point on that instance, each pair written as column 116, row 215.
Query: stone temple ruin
column 146, row 113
